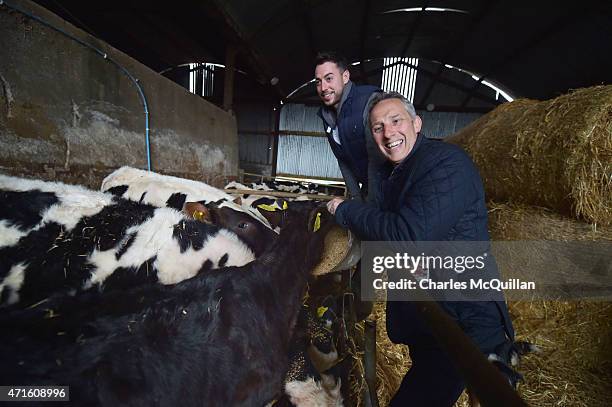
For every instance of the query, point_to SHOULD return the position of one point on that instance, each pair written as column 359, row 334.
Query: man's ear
column 346, row 75
column 417, row 123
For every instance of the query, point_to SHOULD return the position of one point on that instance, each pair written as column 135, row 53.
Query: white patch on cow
column 13, row 281
column 76, row 205
column 151, row 237
column 290, row 188
column 224, row 242
column 104, row 262
column 261, row 187
column 311, row 393
column 236, row 185
column 493, row 357
column 74, row 201
column 9, row 235
column 154, row 237
column 160, row 187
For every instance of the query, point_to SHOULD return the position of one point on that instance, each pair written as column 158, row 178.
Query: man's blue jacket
column 434, row 194
column 351, row 130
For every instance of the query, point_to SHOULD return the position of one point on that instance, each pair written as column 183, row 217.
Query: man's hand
column 333, row 205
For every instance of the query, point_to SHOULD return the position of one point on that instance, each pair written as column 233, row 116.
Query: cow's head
column 257, row 236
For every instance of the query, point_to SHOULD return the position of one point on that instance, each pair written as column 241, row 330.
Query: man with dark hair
column 343, row 114
column 433, row 194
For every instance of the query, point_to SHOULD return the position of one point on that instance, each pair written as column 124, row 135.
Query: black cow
column 218, row 339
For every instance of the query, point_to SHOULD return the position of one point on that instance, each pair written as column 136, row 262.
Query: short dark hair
column 331, row 56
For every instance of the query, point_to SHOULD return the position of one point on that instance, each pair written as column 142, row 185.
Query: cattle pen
column 166, row 176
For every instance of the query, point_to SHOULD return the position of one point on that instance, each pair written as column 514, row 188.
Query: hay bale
column 573, row 369
column 575, row 366
column 522, row 222
column 556, row 153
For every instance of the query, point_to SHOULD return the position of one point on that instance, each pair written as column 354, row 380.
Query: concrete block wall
column 68, row 114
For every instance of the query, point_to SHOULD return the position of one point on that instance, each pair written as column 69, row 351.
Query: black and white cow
column 65, row 238
column 168, row 191
column 281, row 186
column 297, row 187
column 218, row 339
column 312, row 352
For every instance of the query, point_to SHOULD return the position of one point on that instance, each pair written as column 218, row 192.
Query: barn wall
column 66, row 113
column 256, row 129
column 303, row 149
column 444, row 124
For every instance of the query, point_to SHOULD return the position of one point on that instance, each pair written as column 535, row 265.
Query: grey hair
column 389, row 95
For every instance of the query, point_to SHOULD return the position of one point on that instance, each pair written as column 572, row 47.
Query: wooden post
column 228, row 83
column 275, row 136
column 369, row 360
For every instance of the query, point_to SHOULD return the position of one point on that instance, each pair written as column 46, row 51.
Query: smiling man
column 394, row 127
column 344, row 113
column 434, row 193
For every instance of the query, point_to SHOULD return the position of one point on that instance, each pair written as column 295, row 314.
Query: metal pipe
column 104, row 55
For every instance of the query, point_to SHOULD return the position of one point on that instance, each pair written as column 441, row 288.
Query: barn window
column 202, row 79
column 400, row 76
column 424, row 9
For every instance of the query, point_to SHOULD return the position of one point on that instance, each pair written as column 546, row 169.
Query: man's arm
column 432, row 206
column 376, row 162
column 352, row 185
column 376, row 169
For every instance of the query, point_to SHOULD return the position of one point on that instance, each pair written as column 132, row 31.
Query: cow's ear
column 237, row 201
column 197, row 211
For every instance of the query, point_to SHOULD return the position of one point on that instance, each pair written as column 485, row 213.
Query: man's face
column 330, row 83
column 394, row 130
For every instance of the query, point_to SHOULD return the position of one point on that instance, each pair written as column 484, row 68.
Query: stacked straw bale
column 575, row 365
column 555, row 153
column 522, row 222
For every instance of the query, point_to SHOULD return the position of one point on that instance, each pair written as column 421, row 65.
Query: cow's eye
column 243, row 225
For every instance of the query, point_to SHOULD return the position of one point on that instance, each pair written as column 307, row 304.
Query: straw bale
column 574, row 367
column 556, row 153
column 522, row 222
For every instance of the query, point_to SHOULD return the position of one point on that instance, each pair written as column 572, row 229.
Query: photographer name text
column 494, row 284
